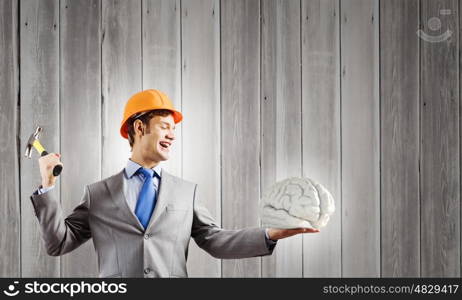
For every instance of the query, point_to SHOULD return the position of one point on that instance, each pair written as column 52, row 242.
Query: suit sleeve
column 62, row 235
column 222, row 243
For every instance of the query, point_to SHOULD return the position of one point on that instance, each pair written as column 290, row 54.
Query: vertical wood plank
column 240, row 65
column 80, row 117
column 121, row 76
column 9, row 174
column 201, row 109
column 400, row 212
column 440, row 153
column 39, row 58
column 360, row 139
column 162, row 62
column 281, row 153
column 321, row 128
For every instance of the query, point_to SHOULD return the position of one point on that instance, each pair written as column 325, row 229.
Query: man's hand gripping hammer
column 34, row 142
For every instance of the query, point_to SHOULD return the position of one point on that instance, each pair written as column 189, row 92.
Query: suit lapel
column 164, row 193
column 115, row 188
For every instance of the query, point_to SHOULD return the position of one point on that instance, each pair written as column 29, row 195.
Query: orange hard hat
column 145, row 101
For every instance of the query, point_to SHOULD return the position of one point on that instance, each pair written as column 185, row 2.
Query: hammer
column 34, row 142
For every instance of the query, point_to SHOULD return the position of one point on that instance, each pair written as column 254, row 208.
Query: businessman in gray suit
column 142, row 218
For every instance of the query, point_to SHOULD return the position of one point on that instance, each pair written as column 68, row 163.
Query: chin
column 162, row 155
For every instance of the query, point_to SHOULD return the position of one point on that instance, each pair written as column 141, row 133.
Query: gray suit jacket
column 124, row 248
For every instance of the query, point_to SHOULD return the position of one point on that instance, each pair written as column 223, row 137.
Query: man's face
column 158, row 138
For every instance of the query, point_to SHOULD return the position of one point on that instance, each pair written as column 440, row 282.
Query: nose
column 171, row 135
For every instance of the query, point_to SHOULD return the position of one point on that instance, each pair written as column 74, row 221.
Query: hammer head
column 31, row 140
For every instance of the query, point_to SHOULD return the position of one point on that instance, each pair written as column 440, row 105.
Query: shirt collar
column 132, row 167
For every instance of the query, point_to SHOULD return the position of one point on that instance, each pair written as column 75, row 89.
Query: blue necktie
column 147, row 197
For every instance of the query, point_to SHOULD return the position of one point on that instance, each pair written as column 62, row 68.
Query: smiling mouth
column 165, row 146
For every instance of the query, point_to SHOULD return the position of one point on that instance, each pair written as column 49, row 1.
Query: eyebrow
column 166, row 123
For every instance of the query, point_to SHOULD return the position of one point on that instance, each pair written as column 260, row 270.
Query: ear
column 138, row 126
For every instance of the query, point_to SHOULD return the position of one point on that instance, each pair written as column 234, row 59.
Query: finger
column 306, row 229
column 311, row 230
column 301, row 229
column 295, row 231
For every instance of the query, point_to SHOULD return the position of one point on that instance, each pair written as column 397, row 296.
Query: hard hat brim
column 177, row 118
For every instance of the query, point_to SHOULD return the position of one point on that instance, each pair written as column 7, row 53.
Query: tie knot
column 148, row 173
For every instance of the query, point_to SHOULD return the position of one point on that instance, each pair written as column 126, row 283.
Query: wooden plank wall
column 80, row 116
column 40, row 105
column 345, row 92
column 121, row 76
column 10, row 218
column 200, row 23
column 321, row 127
column 360, row 138
column 240, row 124
column 440, row 153
column 400, row 146
column 281, row 122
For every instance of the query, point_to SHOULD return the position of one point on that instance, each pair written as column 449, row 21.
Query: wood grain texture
column 80, row 117
column 321, row 128
column 121, row 76
column 281, row 123
column 240, row 124
column 201, row 110
column 9, row 170
column 440, row 153
column 399, row 88
column 360, row 139
column 39, row 56
column 162, row 62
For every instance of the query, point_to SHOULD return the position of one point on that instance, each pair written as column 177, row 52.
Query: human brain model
column 296, row 202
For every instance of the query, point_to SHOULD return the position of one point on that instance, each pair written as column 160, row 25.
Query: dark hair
column 145, row 118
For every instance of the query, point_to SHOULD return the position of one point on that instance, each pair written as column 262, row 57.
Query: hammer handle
column 57, row 169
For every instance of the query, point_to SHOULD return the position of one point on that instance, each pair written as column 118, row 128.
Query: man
column 141, row 219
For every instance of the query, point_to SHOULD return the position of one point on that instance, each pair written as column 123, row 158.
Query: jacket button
column 147, row 271
column 147, row 236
